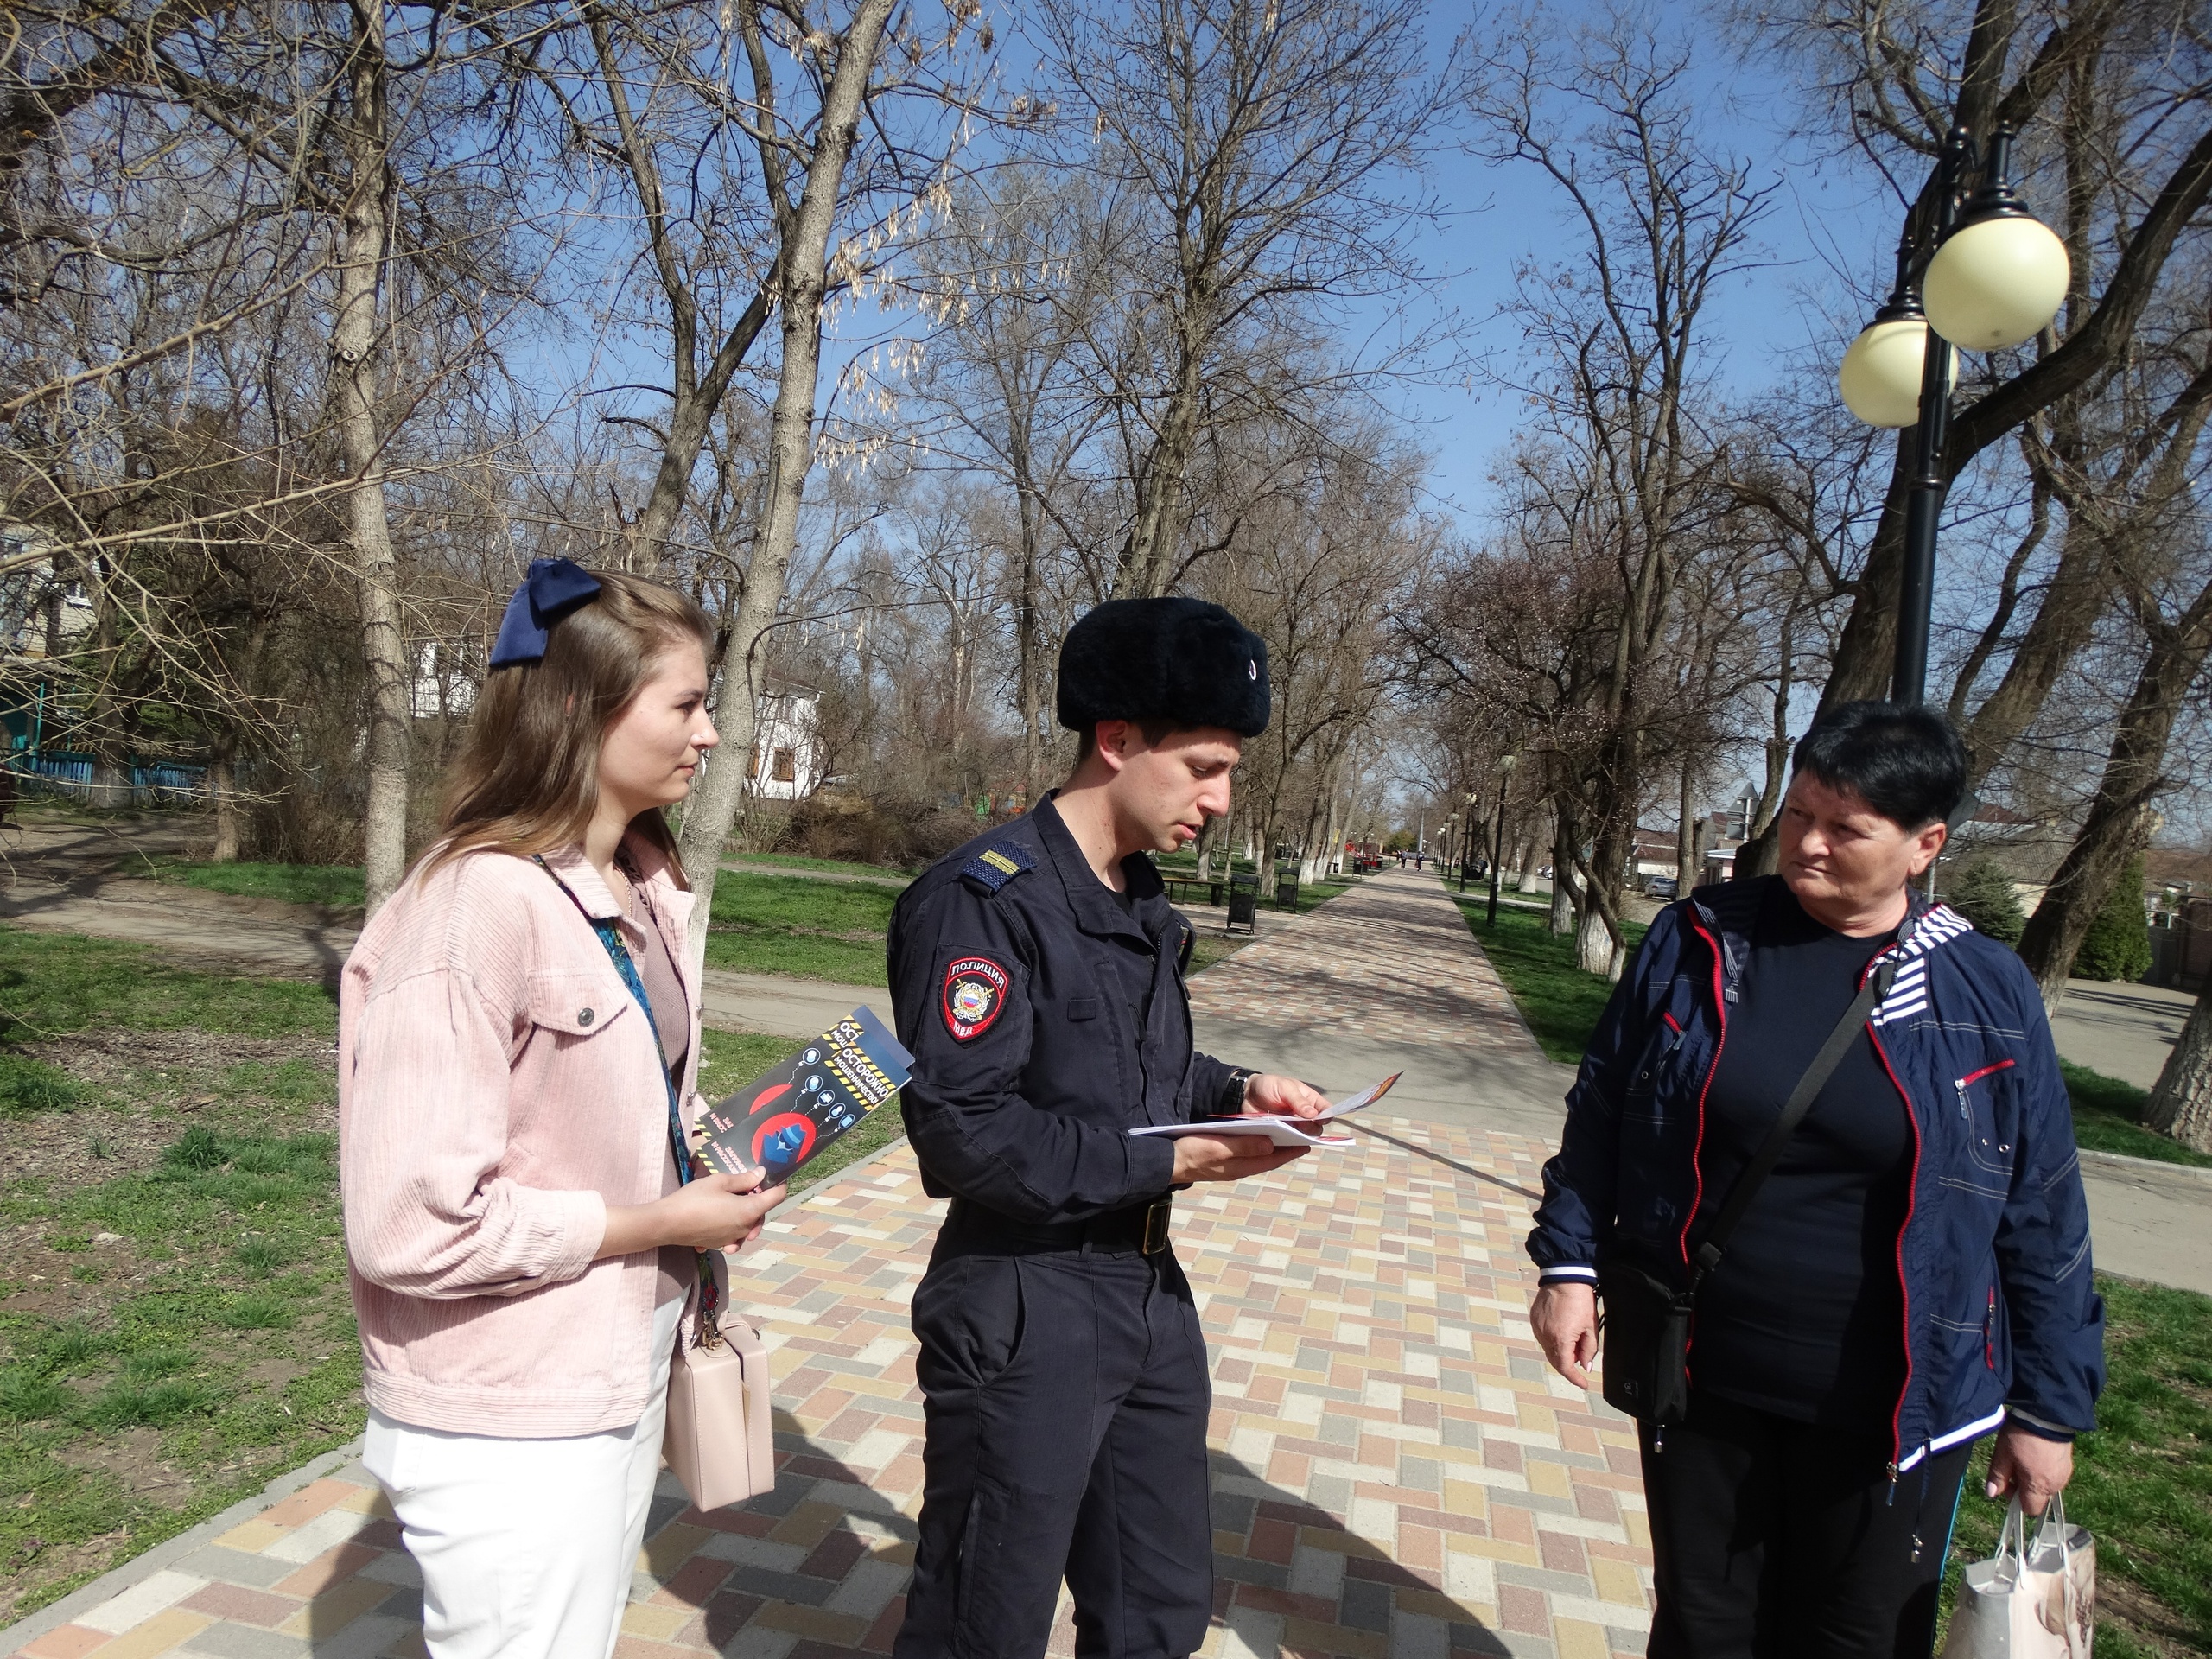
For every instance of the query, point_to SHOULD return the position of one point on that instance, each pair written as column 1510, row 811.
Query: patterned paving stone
column 1396, row 1474
column 1390, row 958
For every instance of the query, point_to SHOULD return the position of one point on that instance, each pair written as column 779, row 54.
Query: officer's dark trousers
column 1066, row 1396
column 1775, row 1540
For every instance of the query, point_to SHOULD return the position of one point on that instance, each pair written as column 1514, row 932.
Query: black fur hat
column 1177, row 659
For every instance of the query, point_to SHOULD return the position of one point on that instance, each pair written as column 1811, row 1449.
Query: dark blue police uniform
column 1062, row 1363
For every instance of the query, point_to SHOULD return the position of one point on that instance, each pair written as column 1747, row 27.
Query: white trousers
column 527, row 1546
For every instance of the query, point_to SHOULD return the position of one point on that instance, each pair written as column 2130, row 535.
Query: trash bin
column 1213, row 894
column 1287, row 892
column 1243, row 904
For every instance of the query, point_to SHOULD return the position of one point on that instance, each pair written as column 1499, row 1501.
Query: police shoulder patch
column 995, row 867
column 973, row 994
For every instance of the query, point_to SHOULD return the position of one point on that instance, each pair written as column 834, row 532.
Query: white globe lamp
column 1996, row 282
column 1998, row 279
column 1880, row 376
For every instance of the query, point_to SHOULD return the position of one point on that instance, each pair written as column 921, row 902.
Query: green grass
column 826, row 865
column 52, row 984
column 730, row 1059
column 336, row 885
column 1559, row 1002
column 225, row 1329
column 1563, row 1006
column 805, row 929
column 2109, row 1117
column 2143, row 1482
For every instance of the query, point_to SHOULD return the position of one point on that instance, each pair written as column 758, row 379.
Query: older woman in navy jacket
column 1914, row 1275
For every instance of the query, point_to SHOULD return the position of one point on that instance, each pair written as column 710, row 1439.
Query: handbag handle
column 2054, row 1532
column 1871, row 989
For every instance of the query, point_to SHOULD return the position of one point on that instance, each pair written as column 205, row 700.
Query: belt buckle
column 1155, row 1226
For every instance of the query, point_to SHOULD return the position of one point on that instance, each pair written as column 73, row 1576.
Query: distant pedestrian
column 1913, row 1274
column 516, row 1033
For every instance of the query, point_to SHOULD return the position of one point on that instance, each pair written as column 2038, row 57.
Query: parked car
column 1661, row 887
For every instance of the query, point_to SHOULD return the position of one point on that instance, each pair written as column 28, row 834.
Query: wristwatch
column 1232, row 1097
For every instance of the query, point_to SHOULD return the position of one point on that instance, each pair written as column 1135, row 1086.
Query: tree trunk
column 1148, row 559
column 353, row 373
column 1593, row 944
column 2079, row 595
column 223, row 788
column 1027, row 646
column 802, row 270
column 1689, row 837
column 1567, row 902
column 111, row 787
column 695, row 397
column 2119, row 816
column 2181, row 1105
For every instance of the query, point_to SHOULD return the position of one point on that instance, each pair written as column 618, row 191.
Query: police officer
column 1038, row 975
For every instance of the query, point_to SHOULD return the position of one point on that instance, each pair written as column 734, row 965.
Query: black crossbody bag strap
column 1714, row 1245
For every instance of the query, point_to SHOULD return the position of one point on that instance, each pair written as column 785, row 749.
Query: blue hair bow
column 549, row 592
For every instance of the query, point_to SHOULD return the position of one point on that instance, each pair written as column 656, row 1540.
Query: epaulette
column 996, row 866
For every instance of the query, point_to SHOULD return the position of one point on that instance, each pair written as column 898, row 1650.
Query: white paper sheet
column 1283, row 1131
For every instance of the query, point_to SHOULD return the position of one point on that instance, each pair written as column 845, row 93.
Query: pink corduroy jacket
column 497, row 1088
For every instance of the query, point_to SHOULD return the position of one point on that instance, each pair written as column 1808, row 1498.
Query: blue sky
column 1831, row 228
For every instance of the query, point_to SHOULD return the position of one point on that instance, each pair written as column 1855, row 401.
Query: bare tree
column 356, row 333
column 1263, row 148
column 1015, row 277
column 1617, row 362
column 1897, row 88
column 803, row 157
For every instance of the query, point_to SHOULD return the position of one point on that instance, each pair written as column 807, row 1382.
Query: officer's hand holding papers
column 1282, row 1129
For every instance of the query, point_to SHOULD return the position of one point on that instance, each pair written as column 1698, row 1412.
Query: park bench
column 1180, row 888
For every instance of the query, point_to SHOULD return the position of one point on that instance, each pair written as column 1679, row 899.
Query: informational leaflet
column 784, row 1117
column 1283, row 1131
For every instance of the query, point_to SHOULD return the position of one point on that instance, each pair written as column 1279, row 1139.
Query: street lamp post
column 1497, row 835
column 1987, row 276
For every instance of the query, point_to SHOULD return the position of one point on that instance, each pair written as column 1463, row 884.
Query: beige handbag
column 2036, row 1598
column 718, row 1440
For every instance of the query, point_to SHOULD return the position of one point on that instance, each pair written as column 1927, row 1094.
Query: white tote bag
column 2035, row 1598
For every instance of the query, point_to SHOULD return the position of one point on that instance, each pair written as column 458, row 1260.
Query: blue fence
column 70, row 777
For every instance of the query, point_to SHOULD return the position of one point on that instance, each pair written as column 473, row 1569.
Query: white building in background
column 445, row 676
column 39, row 616
column 786, row 760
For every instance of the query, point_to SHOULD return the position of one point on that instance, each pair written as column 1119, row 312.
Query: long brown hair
column 527, row 777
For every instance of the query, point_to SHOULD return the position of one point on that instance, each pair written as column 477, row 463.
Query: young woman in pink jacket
column 523, row 1242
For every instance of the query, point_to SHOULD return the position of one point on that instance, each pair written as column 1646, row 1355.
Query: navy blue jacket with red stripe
column 2000, row 1311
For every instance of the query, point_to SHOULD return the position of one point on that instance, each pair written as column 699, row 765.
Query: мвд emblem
column 975, row 992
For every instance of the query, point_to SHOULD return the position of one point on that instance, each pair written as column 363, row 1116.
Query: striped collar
column 1937, row 925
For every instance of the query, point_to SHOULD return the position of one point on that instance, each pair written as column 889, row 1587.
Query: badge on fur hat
column 975, row 992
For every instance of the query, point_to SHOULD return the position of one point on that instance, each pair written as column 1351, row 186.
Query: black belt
column 1141, row 1227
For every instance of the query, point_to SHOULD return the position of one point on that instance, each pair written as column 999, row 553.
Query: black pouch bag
column 1646, row 1320
column 1647, row 1341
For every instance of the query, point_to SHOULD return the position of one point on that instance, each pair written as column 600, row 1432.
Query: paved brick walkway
column 1396, row 1471
column 1390, row 958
